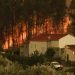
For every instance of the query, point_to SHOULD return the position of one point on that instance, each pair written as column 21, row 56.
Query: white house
column 38, row 43
column 69, row 53
column 44, row 41
column 66, row 40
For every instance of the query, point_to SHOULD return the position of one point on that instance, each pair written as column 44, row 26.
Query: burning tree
column 24, row 19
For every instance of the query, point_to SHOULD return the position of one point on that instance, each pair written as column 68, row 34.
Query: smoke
column 20, row 33
column 68, row 3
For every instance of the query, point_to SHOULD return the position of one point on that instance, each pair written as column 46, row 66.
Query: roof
column 46, row 37
column 71, row 47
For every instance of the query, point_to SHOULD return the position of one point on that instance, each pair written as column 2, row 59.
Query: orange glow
column 10, row 41
column 18, row 37
column 66, row 23
column 5, row 45
column 20, row 31
column 24, row 35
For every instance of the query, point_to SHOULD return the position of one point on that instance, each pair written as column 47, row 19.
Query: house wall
column 53, row 44
column 67, row 40
column 41, row 47
column 69, row 52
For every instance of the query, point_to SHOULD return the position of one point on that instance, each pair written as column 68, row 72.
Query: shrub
column 50, row 53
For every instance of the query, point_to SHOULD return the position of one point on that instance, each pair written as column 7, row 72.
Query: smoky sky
column 68, row 2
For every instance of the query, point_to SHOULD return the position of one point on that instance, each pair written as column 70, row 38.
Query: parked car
column 56, row 65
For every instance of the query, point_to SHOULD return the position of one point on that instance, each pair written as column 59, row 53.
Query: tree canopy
column 14, row 11
column 25, row 8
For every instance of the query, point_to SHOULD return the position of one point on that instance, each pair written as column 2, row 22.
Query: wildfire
column 66, row 22
column 20, row 31
column 17, row 38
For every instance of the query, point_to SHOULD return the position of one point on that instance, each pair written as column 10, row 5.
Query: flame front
column 20, row 32
column 17, row 38
column 67, row 22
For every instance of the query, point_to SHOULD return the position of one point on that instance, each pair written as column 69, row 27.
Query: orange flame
column 67, row 22
column 20, row 37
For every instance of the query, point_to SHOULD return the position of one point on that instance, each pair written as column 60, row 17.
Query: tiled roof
column 46, row 37
column 56, row 36
column 71, row 47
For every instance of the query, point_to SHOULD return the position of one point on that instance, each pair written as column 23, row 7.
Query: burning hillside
column 20, row 33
